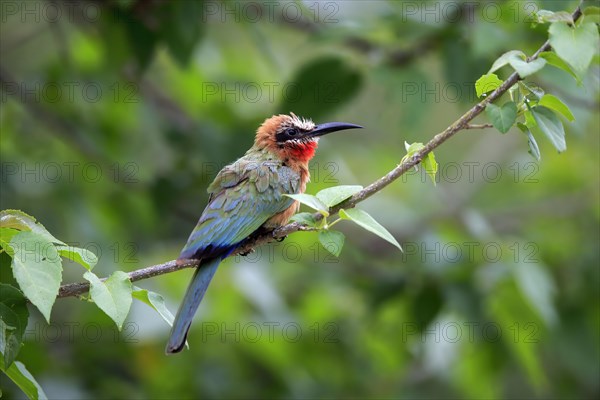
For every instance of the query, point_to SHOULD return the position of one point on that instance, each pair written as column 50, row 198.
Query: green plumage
column 243, row 196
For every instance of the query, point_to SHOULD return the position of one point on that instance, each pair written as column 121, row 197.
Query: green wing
column 243, row 196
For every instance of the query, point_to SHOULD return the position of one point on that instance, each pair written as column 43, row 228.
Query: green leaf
column 505, row 59
column 575, row 44
column 487, row 83
column 591, row 10
column 518, row 60
column 321, row 86
column 13, row 321
column 531, row 90
column 78, row 255
column 332, row 241
column 534, row 150
column 364, row 220
column 431, row 166
column 525, row 68
column 554, row 103
column 547, row 122
column 311, row 201
column 553, row 59
column 413, row 148
column 154, row 300
column 545, row 16
column 335, row 195
column 529, row 120
column 304, row 218
column 503, row 117
column 593, row 15
column 516, row 94
column 429, row 162
column 6, row 234
column 21, row 221
column 37, row 268
column 113, row 296
column 10, row 344
column 24, row 380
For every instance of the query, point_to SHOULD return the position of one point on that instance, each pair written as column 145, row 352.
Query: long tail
column 189, row 305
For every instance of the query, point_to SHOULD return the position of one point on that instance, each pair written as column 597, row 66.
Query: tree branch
column 75, row 289
column 478, row 126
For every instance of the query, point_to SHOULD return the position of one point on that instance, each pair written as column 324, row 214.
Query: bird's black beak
column 324, row 129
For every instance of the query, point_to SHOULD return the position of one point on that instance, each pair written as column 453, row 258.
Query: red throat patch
column 303, row 152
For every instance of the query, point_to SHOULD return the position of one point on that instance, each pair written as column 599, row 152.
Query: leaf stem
column 333, row 223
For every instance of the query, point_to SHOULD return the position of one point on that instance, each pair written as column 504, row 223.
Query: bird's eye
column 291, row 131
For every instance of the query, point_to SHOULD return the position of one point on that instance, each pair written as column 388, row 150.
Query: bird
column 246, row 197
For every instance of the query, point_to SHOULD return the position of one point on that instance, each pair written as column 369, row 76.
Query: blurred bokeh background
column 116, row 115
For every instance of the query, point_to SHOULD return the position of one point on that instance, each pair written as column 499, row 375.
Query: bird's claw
column 281, row 239
column 245, row 253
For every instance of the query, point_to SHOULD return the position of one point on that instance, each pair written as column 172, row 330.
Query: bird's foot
column 245, row 253
column 280, row 239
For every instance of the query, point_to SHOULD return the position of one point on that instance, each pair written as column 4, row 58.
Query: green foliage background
column 114, row 123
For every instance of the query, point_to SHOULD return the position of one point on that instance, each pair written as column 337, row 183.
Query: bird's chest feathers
column 302, row 152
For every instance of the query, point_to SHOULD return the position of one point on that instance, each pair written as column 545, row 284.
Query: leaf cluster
column 37, row 265
column 533, row 111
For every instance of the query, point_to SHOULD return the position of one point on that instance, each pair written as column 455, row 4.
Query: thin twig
column 478, row 126
column 75, row 289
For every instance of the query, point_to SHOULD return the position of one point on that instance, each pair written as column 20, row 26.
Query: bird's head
column 290, row 136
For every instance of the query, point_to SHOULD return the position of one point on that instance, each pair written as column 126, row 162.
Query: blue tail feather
column 189, row 305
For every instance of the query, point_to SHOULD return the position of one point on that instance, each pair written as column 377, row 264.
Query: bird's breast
column 303, row 152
